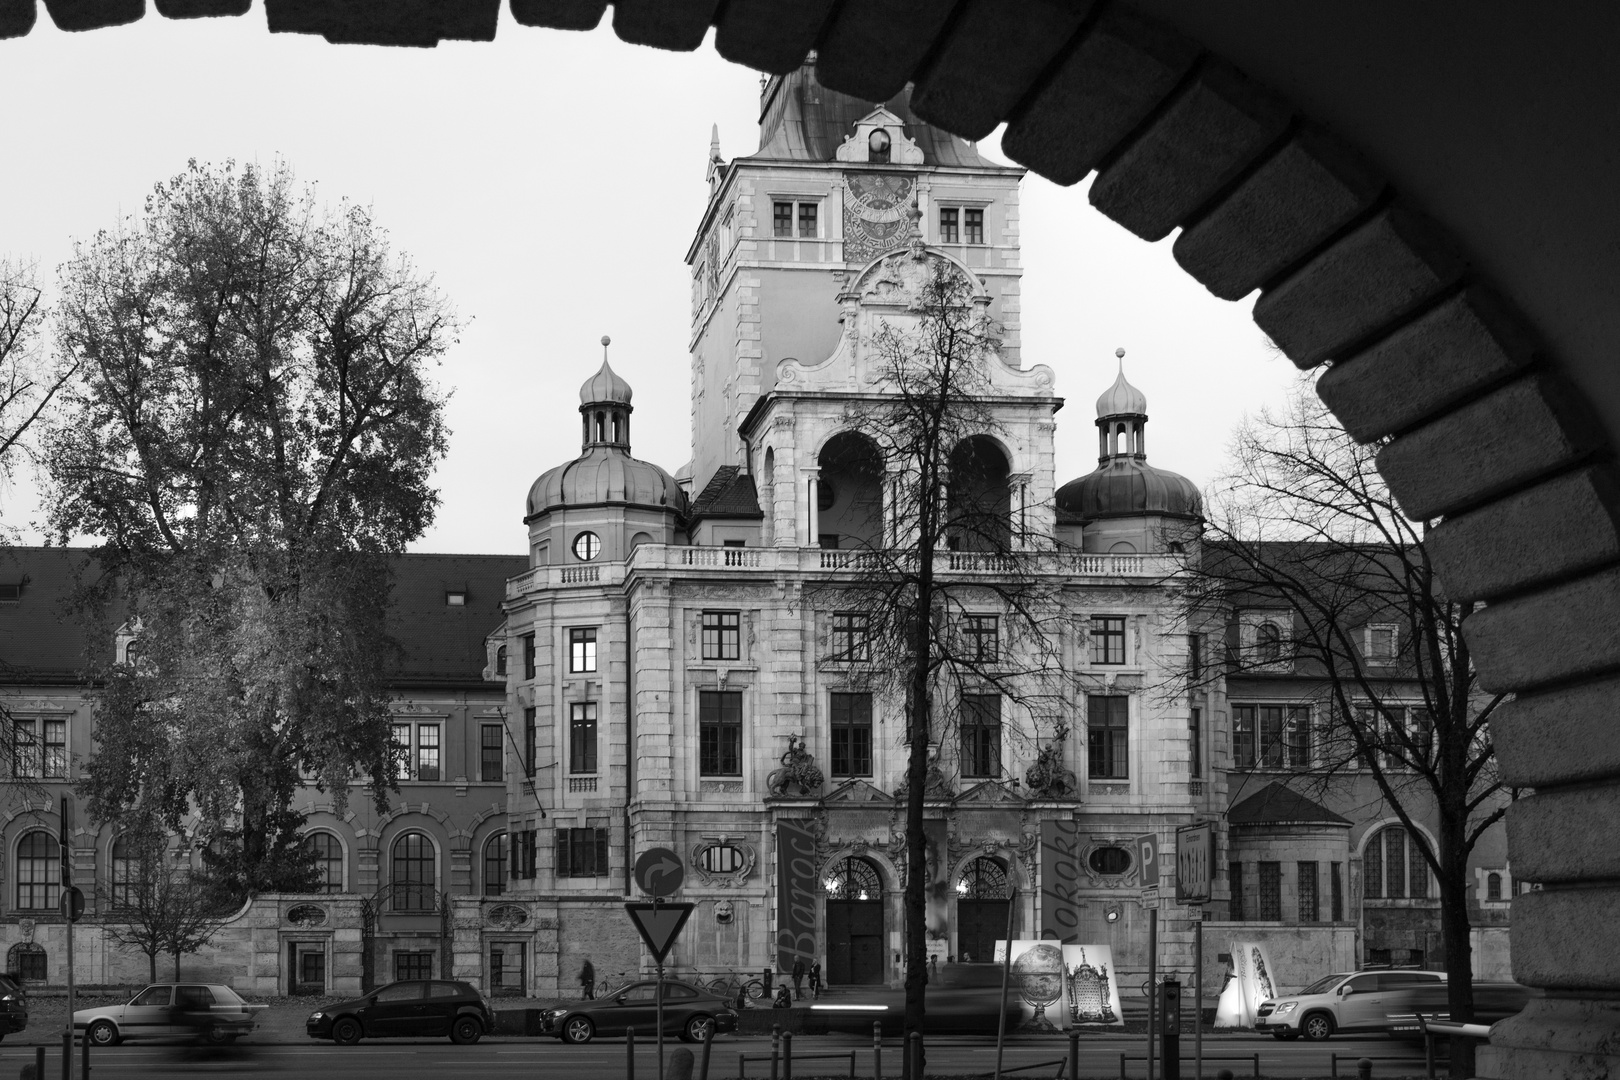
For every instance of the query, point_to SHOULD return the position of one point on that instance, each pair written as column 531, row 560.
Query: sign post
column 64, row 848
column 1195, row 882
column 659, row 873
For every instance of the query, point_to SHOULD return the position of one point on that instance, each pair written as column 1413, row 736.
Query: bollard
column 708, row 1041
column 776, row 1049
column 1224, row 1074
column 787, row 1055
column 914, row 1052
column 877, row 1050
column 1074, row 1055
column 1364, row 1069
column 67, row 1053
column 39, row 1063
column 630, row 1054
column 84, row 1058
column 680, row 1065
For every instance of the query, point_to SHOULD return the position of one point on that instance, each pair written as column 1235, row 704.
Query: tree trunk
column 151, row 964
column 916, row 914
column 1455, row 937
column 177, row 965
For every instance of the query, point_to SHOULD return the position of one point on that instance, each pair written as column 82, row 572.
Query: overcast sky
column 552, row 182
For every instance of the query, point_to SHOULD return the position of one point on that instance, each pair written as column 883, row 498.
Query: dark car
column 963, row 999
column 413, row 1008
column 688, row 1012
column 1492, row 1002
column 13, row 1005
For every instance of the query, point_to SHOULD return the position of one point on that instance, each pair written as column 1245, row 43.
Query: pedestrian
column 933, row 966
column 784, row 998
column 815, row 978
column 798, row 978
column 587, row 980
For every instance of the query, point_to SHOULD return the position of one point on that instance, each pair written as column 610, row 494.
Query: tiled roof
column 729, row 493
column 41, row 640
column 1277, row 804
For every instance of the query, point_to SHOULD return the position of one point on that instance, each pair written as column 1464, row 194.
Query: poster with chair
column 1091, row 991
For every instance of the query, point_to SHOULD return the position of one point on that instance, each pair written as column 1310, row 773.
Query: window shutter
column 564, row 869
column 601, row 852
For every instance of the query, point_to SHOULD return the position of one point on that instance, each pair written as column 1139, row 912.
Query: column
column 813, row 489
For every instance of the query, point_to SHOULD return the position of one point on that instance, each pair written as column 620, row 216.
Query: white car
column 1347, row 1001
column 211, row 1012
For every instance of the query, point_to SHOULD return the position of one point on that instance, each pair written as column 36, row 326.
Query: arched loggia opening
column 850, row 493
column 979, row 497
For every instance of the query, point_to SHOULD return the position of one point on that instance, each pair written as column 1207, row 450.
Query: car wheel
column 696, row 1028
column 213, row 1036
column 102, row 1033
column 578, row 1029
column 1317, row 1026
column 346, row 1032
column 466, row 1030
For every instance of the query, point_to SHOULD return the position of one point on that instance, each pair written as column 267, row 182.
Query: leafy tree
column 249, row 429
column 1304, row 525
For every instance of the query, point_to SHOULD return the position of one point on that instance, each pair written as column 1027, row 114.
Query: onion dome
column 604, row 388
column 1122, row 399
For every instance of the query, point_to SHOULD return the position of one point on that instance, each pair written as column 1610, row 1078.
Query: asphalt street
column 606, row 1060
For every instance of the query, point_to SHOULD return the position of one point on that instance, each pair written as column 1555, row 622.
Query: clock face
column 587, row 546
column 875, row 214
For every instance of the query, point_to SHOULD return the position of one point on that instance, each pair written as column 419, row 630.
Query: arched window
column 128, row 873
column 500, row 660
column 495, row 865
column 601, row 427
column 26, row 960
column 1393, row 867
column 327, row 852
column 854, row 879
column 877, row 145
column 983, row 879
column 38, row 871
column 1268, row 643
column 412, row 873
column 1493, row 886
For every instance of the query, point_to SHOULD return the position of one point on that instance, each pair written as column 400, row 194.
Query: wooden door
column 854, row 942
column 979, row 925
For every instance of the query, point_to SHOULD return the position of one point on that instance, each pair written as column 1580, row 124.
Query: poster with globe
column 1036, row 983
column 1091, row 987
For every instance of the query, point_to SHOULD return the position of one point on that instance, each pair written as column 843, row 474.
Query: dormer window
column 455, row 598
column 877, row 146
column 10, row 592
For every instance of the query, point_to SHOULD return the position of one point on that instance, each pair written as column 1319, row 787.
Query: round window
column 825, row 496
column 587, row 546
column 1109, row 860
column 722, row 859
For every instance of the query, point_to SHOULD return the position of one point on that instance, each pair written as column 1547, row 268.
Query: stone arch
column 888, row 876
column 980, row 496
column 850, row 489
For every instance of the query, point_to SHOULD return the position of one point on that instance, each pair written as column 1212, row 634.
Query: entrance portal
column 854, row 924
column 981, row 910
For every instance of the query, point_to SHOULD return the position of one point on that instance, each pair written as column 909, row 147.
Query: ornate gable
column 857, row 791
column 990, row 791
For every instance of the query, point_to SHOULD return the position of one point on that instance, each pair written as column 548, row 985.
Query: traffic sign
column 659, row 924
column 1195, row 863
column 72, row 904
column 1147, row 859
column 659, row 872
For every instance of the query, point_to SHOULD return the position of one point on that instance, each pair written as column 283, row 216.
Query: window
column 417, row 964
column 1393, row 867
column 39, row 749
column 722, row 635
column 412, row 873
column 1271, row 891
column 507, row 974
column 785, row 211
column 456, row 598
column 877, row 146
column 531, row 736
column 1308, row 912
column 582, row 852
column 38, row 871
column 1493, row 886
column 582, row 649
column 154, row 996
column 528, row 656
column 127, row 874
column 491, row 761
column 981, row 735
column 522, row 851
column 1109, row 860
column 587, row 545
column 827, row 541
column 327, row 855
column 26, row 960
column 854, row 878
column 1234, row 873
column 782, row 218
column 851, row 638
column 582, row 737
column 807, row 219
column 982, row 633
column 720, row 732
column 852, row 734
column 500, row 660
column 1403, row 734
column 983, row 879
column 1379, row 644
column 1271, row 737
column 1268, row 643
column 1195, row 742
column 1336, row 884
column 973, row 225
column 1195, row 656
column 721, row 859
column 402, row 751
column 427, row 751
column 1108, row 737
column 495, row 865
column 1108, row 639
column 948, row 217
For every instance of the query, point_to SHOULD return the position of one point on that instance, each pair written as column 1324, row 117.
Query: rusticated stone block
column 1563, row 736
column 1109, row 81
column 992, row 54
column 94, row 14
column 1277, row 215
column 872, row 48
column 680, row 25
column 1215, row 126
column 1567, row 1038
column 770, row 35
column 1543, row 847
column 201, row 9
column 1567, row 938
column 560, row 14
column 1442, row 356
column 1523, row 430
column 16, row 18
column 1377, row 272
column 1564, row 632
column 421, row 23
column 1506, row 546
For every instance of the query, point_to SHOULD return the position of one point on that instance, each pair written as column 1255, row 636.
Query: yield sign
column 659, row 924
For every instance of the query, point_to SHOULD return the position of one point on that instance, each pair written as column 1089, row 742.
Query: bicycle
column 1147, row 984
column 609, row 985
column 727, row 985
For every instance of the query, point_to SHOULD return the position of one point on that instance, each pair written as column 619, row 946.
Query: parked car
column 411, row 1008
column 209, row 1012
column 1343, row 1002
column 688, row 1012
column 1493, row 1001
column 13, row 1005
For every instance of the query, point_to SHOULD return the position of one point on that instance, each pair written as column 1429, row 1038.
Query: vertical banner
column 937, row 889
column 1060, row 880
column 1091, row 996
column 795, row 895
column 1248, row 983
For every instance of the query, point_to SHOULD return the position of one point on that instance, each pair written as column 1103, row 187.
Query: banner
column 1091, row 993
column 937, row 888
column 1061, row 875
column 795, row 895
column 1248, row 983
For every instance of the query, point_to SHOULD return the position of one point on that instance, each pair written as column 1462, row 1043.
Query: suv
column 409, row 1009
column 1348, row 1001
column 13, row 1005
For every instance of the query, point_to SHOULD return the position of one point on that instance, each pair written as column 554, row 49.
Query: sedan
column 689, row 1012
column 412, row 1008
column 211, row 1012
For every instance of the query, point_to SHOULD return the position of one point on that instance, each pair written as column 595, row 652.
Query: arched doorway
column 979, row 496
column 850, row 493
column 854, row 923
column 982, row 902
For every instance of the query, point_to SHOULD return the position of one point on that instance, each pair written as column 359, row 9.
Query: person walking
column 587, row 980
column 798, row 978
column 815, row 978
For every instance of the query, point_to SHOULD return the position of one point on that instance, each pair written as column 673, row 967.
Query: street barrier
column 744, row 1059
column 1254, row 1059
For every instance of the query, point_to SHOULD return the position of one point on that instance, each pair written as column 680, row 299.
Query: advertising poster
column 796, row 888
column 1248, row 982
column 1091, row 990
column 1036, row 983
column 937, row 889
column 1061, row 876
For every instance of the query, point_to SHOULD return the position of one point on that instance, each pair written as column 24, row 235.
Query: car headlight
column 1287, row 1007
column 316, row 1015
column 556, row 1014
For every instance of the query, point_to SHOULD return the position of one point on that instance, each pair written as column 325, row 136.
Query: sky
column 551, row 183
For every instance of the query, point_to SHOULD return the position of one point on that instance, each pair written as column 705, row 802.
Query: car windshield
column 1322, row 986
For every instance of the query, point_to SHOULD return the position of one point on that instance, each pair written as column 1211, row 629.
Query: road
column 605, row 1060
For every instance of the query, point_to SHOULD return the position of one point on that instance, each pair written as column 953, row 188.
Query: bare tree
column 1304, row 526
column 155, row 907
column 957, row 606
column 27, row 382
